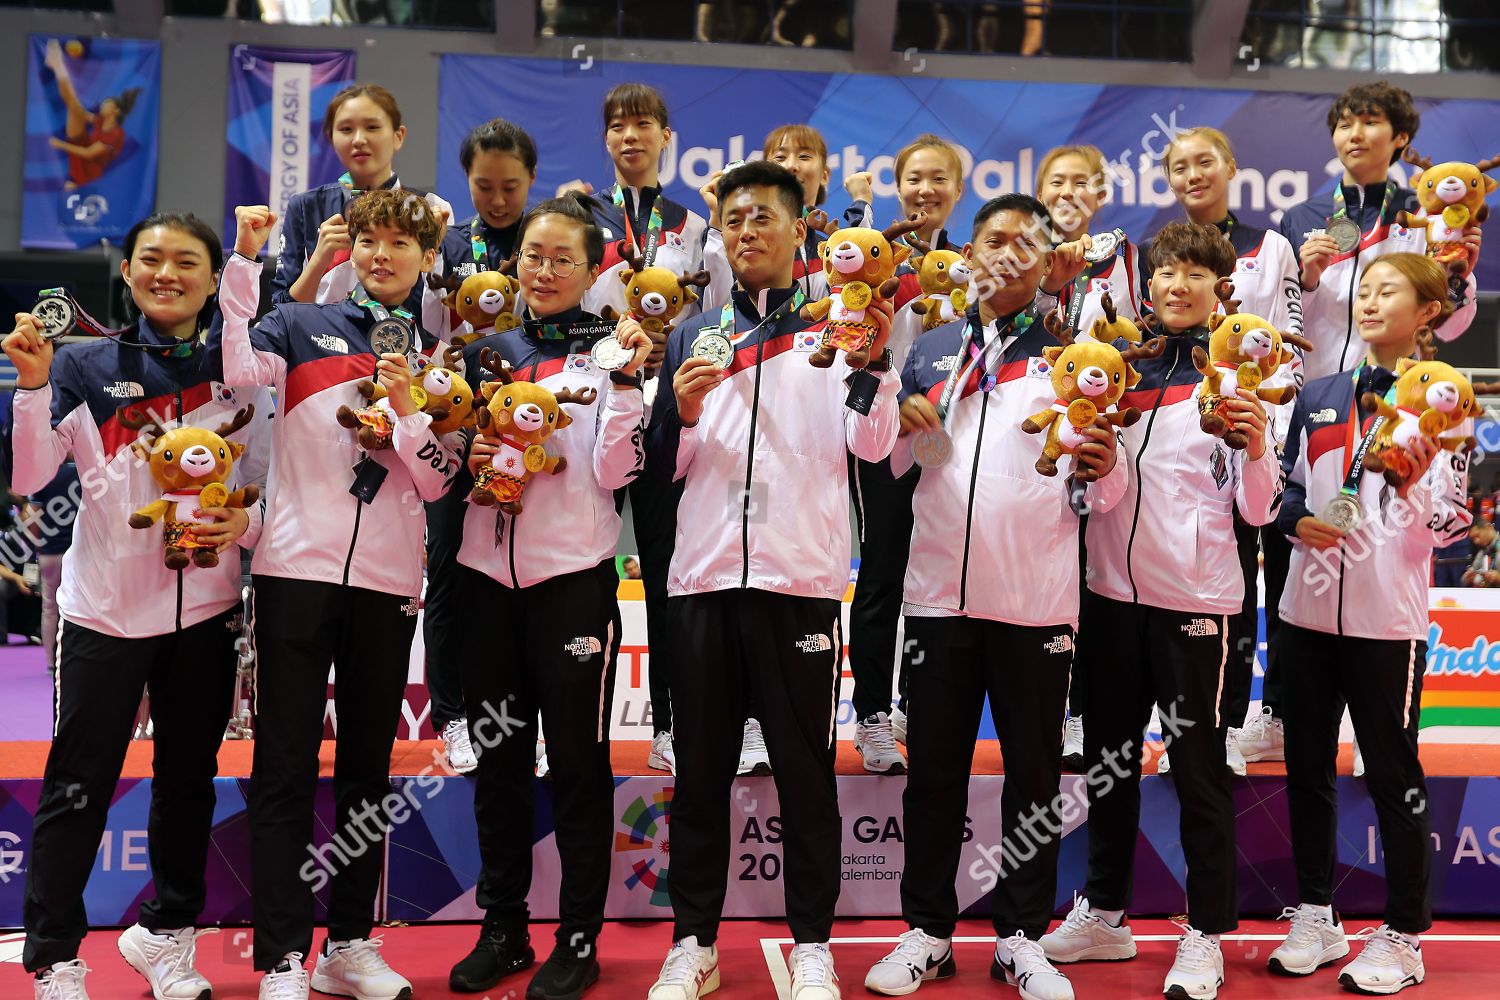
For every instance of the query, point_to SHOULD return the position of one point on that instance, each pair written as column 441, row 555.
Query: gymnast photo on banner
column 91, row 121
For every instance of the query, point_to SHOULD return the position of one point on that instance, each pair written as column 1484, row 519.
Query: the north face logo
column 583, row 646
column 1058, row 644
column 945, row 364
column 331, row 343
column 1200, row 628
column 124, row 390
column 411, row 607
column 815, row 644
column 1324, row 416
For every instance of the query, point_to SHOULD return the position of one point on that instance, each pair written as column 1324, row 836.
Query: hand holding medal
column 626, row 351
column 29, row 349
column 394, row 375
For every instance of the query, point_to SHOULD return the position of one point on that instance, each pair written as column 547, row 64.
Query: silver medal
column 392, row 336
column 58, row 315
column 611, row 355
column 715, row 347
column 1344, row 233
column 1103, row 246
column 1342, row 512
column 931, row 448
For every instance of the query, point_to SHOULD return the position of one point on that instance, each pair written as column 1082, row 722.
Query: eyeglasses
column 531, row 261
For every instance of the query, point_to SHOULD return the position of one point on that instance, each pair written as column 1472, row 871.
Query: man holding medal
column 991, row 599
column 1336, row 233
column 760, row 438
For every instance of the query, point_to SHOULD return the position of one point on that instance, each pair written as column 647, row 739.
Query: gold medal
column 1249, row 376
column 960, row 300
column 1455, row 216
column 1082, row 412
column 213, row 495
column 1432, row 423
column 534, row 458
column 856, row 295
column 418, row 396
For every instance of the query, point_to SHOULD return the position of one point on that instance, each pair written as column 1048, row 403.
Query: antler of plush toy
column 818, row 221
column 920, row 247
column 1149, row 349
column 492, row 362
column 900, row 228
column 134, row 420
column 508, row 265
column 241, row 419
column 1224, row 290
column 631, row 256
column 1054, row 324
column 453, row 355
column 1485, row 166
column 583, row 396
column 1297, row 340
column 1417, row 159
column 451, row 283
column 697, row 278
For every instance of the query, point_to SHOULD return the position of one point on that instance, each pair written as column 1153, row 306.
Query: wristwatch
column 881, row 364
column 628, row 381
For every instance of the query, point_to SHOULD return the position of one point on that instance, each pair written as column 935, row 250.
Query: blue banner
column 719, row 115
column 276, row 146
column 92, row 114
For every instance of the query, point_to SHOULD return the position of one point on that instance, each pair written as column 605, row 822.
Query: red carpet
column 631, row 954
column 27, row 759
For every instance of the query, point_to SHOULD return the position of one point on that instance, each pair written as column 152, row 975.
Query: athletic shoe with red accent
column 688, row 973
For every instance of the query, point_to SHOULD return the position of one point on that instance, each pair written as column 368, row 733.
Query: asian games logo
column 645, row 824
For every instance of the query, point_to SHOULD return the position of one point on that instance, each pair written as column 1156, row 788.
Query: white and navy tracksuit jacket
column 114, row 581
column 679, row 249
column 990, row 529
column 315, row 355
column 568, row 522
column 1124, row 277
column 1374, row 584
column 299, row 237
column 1169, row 542
column 766, row 499
column 1328, row 311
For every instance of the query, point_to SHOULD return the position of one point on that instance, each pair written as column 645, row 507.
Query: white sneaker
column 1084, row 936
column 1314, row 941
column 166, row 961
column 754, row 759
column 1388, row 963
column 355, row 969
column 461, row 755
column 1232, row 755
column 662, row 758
column 688, row 973
column 876, row 744
column 916, row 958
column 1198, row 970
column 1072, row 750
column 898, row 725
column 64, row 981
column 288, row 981
column 1263, row 738
column 1022, row 963
column 813, row 977
column 1359, row 761
column 542, row 770
column 1164, row 764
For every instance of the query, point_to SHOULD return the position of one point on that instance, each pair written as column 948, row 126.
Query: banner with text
column 92, row 114
column 276, row 144
column 1004, row 128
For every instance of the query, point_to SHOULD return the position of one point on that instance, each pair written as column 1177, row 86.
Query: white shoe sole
column 325, row 984
column 1332, row 953
column 897, row 766
column 1094, row 953
column 461, row 768
column 761, row 770
column 1256, row 758
column 1415, row 979
column 659, row 763
column 137, row 961
column 943, row 970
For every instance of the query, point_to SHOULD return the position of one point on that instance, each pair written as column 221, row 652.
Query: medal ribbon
column 479, row 247
column 976, row 353
column 91, row 326
column 1081, row 283
column 653, row 225
column 380, row 312
column 1354, row 459
column 727, row 318
column 1341, row 209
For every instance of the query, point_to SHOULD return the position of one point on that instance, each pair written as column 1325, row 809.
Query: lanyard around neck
column 1341, row 208
column 653, row 225
column 727, row 322
column 1354, row 457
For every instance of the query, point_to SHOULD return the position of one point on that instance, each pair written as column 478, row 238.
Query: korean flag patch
column 806, row 342
column 1038, row 367
column 1102, row 286
column 580, row 364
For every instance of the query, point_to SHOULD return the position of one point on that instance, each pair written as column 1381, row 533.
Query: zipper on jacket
column 963, row 576
column 510, row 546
column 1135, row 518
column 177, row 396
column 760, row 350
column 1349, row 323
column 353, row 538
